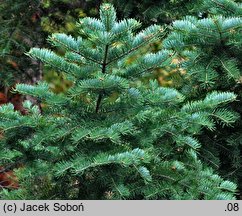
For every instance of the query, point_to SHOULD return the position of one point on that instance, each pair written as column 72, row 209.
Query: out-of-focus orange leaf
column 8, row 179
column 3, row 98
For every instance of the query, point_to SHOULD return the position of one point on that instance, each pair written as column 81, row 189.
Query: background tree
column 20, row 30
column 155, row 11
column 209, row 50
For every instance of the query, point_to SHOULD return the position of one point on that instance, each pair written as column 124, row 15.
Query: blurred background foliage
column 156, row 11
column 19, row 31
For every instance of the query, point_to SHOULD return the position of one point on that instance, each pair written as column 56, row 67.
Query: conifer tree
column 110, row 136
column 210, row 51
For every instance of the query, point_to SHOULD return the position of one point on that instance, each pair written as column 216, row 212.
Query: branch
column 88, row 58
column 134, row 49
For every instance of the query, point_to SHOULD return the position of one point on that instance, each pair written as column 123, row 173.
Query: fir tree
column 209, row 50
column 110, row 136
